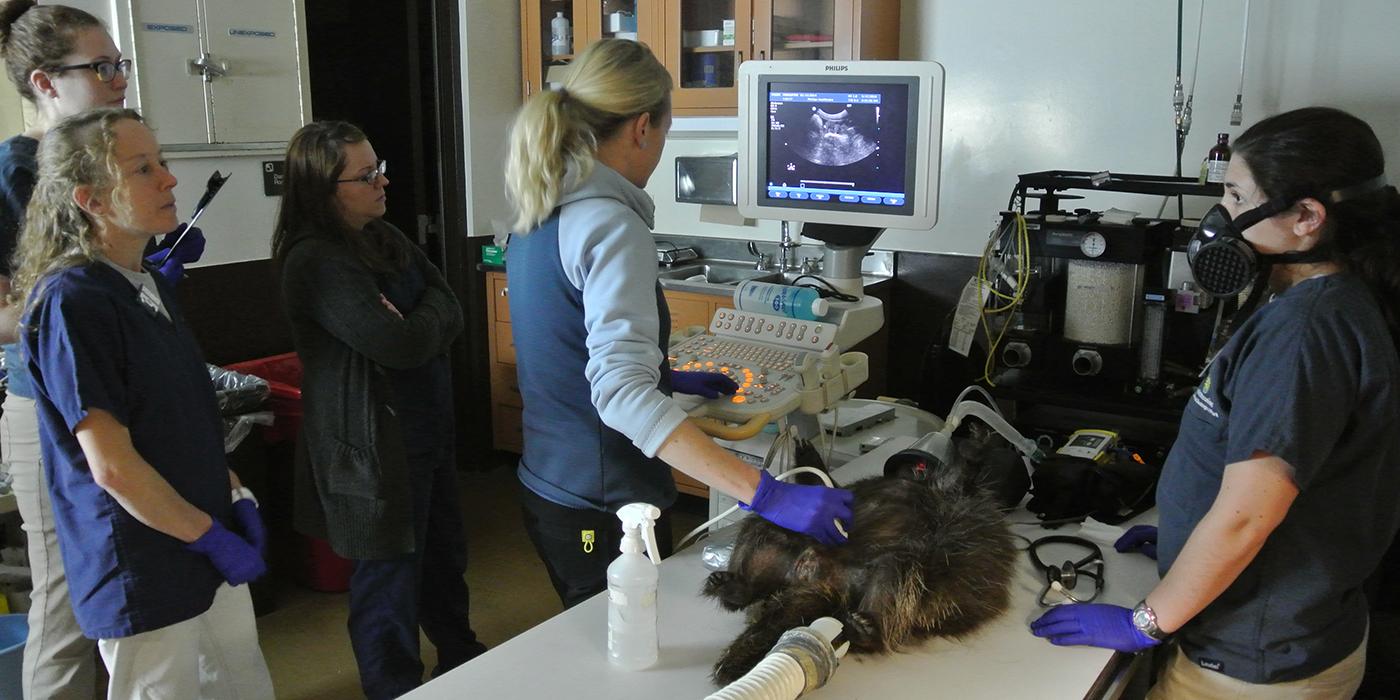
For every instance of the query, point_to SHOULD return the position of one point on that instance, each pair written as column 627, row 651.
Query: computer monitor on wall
column 841, row 144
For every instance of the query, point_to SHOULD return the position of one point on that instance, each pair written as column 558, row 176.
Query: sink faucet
column 762, row 257
column 787, row 255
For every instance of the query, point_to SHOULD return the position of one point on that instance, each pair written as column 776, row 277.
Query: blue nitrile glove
column 810, row 510
column 707, row 384
column 1092, row 624
column 232, row 555
column 245, row 515
column 1139, row 538
column 189, row 250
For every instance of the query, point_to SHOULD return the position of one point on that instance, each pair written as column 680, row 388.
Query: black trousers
column 577, row 568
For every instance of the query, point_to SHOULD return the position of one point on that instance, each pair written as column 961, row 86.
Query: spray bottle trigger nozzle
column 641, row 518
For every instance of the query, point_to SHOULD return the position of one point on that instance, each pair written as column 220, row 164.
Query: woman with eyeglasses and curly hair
column 156, row 532
column 62, row 61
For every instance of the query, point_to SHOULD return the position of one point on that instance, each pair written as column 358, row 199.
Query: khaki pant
column 214, row 656
column 1183, row 678
column 59, row 662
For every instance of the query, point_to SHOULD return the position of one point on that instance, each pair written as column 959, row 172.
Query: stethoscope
column 1063, row 578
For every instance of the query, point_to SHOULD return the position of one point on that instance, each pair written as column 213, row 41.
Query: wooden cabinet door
column 808, row 30
column 705, row 69
column 688, row 309
column 537, row 56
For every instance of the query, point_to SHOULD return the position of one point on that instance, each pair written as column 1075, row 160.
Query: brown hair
column 1315, row 152
column 315, row 160
column 36, row 37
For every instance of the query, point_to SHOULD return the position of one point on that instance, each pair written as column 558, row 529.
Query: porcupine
column 929, row 555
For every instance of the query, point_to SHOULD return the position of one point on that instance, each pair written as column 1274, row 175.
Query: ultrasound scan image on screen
column 838, row 143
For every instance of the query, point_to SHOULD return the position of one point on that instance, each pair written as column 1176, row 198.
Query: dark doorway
column 392, row 68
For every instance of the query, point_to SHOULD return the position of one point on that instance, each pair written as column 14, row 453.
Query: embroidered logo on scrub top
column 150, row 299
column 1201, row 397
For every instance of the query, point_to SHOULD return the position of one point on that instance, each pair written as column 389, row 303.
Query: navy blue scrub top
column 91, row 343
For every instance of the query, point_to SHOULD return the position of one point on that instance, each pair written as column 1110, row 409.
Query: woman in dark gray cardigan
column 372, row 321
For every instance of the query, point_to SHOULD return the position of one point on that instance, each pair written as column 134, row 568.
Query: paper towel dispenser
column 707, row 179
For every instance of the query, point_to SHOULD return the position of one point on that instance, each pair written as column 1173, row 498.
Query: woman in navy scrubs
column 62, row 61
column 156, row 533
column 373, row 320
column 1278, row 498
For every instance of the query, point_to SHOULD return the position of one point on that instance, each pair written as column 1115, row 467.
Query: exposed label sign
column 273, row 171
column 258, row 33
column 172, row 28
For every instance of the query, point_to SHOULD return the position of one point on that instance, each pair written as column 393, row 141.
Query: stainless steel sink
column 719, row 272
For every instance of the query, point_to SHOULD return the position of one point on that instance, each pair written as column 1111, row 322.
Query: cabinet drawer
column 506, row 428
column 500, row 296
column 505, row 344
column 505, row 387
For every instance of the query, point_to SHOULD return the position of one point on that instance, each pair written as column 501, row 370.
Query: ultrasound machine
column 849, row 149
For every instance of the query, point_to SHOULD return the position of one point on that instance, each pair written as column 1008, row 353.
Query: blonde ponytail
column 555, row 135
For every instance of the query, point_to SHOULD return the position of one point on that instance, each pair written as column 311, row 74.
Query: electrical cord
column 1022, row 253
column 825, row 289
column 703, row 527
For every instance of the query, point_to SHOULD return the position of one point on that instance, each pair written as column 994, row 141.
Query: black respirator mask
column 1224, row 264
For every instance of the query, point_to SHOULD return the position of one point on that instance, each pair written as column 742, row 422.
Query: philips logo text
column 837, row 69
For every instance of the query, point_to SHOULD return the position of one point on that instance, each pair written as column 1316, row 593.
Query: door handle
column 207, row 67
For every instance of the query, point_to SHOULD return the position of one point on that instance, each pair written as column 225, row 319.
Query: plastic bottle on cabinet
column 1218, row 159
column 632, row 577
column 801, row 303
column 561, row 35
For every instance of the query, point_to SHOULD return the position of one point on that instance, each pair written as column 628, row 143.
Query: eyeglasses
column 106, row 70
column 372, row 176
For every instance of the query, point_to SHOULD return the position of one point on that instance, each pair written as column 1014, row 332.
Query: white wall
column 490, row 39
column 1086, row 85
column 238, row 224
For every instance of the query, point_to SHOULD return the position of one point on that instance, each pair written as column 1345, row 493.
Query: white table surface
column 566, row 656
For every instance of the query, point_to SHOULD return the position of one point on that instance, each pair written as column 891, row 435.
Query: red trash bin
column 318, row 567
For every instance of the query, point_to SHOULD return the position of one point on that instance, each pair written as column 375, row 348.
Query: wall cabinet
column 687, row 309
column 702, row 42
column 220, row 72
column 590, row 20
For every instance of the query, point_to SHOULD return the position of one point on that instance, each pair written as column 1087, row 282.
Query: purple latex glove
column 245, row 515
column 707, row 384
column 1092, row 624
column 189, row 250
column 237, row 560
column 1139, row 538
column 810, row 510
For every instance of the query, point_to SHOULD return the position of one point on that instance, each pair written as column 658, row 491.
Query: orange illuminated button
column 738, row 399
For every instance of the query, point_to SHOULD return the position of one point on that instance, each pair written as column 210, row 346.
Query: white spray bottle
column 632, row 577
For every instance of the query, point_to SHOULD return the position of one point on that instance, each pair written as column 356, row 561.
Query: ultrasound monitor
column 852, row 147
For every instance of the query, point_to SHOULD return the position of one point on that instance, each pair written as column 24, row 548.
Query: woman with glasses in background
column 61, row 60
column 373, row 320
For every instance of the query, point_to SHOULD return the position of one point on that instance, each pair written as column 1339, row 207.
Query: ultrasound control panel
column 772, row 359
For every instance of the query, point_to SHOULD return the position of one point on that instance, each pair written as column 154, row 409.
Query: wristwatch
column 1145, row 620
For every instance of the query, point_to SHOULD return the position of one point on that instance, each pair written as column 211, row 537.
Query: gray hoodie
column 588, row 319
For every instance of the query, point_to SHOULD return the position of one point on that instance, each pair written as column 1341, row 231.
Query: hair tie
column 563, row 94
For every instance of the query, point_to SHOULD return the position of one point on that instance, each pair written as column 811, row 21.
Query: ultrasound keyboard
column 775, row 361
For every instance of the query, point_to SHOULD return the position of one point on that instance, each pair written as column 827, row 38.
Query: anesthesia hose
column 803, row 660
